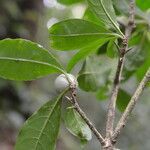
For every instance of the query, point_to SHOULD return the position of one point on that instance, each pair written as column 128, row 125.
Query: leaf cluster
column 95, row 39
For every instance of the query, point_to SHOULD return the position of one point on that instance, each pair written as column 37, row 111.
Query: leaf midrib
column 31, row 61
column 33, row 44
column 79, row 122
column 84, row 34
column 47, row 120
column 104, row 9
column 108, row 16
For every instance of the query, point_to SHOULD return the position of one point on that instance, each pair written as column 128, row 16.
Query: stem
column 76, row 106
column 131, row 105
column 131, row 23
column 112, row 103
column 116, row 83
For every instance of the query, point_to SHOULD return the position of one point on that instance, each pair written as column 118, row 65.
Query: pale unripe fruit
column 64, row 81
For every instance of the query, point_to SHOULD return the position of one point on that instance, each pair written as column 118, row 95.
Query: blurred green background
column 30, row 19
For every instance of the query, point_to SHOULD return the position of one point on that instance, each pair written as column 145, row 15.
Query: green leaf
column 102, row 93
column 137, row 61
column 102, row 49
column 111, row 49
column 134, row 61
column 105, row 12
column 76, row 125
column 146, row 64
column 40, row 131
column 144, row 5
column 135, row 58
column 69, row 2
column 75, row 34
column 96, row 72
column 84, row 52
column 122, row 100
column 142, row 70
column 24, row 60
column 89, row 15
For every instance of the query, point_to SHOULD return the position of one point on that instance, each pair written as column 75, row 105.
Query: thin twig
column 112, row 103
column 76, row 106
column 129, row 49
column 116, row 83
column 131, row 105
column 131, row 23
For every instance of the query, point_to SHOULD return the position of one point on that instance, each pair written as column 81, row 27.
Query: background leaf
column 40, row 131
column 76, row 125
column 103, row 92
column 96, row 72
column 137, row 60
column 75, row 34
column 24, row 60
column 122, row 6
column 69, row 2
column 111, row 49
column 142, row 70
column 133, row 62
column 122, row 100
column 146, row 63
column 143, row 5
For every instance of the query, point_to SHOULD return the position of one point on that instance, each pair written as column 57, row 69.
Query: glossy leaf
column 40, row 131
column 75, row 34
column 69, row 2
column 76, row 125
column 122, row 100
column 96, row 72
column 84, row 52
column 105, row 12
column 24, row 60
column 89, row 15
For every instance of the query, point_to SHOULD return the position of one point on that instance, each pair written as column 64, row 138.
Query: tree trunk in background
column 19, row 18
